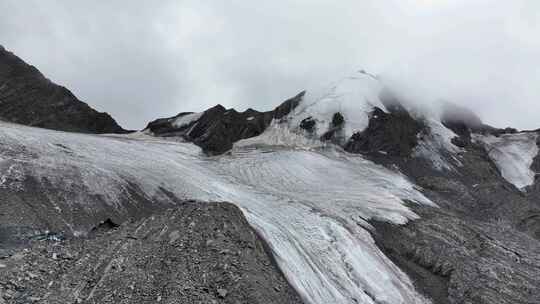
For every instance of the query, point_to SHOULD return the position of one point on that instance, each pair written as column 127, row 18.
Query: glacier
column 513, row 154
column 312, row 205
column 310, row 200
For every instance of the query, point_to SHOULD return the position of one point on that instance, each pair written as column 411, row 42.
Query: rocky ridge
column 28, row 98
column 217, row 129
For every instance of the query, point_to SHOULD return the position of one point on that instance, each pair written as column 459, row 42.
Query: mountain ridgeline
column 217, row 129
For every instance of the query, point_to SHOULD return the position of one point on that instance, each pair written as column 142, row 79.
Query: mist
column 139, row 61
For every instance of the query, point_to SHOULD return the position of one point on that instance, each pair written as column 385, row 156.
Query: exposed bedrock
column 335, row 132
column 394, row 133
column 28, row 98
column 195, row 253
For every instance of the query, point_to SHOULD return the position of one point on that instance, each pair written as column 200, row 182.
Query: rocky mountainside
column 359, row 195
column 481, row 243
column 27, row 97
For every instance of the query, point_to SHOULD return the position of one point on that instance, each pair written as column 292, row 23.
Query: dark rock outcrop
column 217, row 129
column 335, row 130
column 395, row 133
column 27, row 97
column 195, row 253
column 308, row 124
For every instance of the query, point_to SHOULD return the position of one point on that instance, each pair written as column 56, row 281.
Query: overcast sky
column 140, row 60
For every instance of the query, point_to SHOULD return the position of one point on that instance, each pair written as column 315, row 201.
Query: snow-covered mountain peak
column 362, row 115
column 353, row 97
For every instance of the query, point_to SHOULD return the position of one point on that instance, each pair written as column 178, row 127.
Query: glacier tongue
column 312, row 206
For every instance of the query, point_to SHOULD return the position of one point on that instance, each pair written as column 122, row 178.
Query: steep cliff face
column 27, row 97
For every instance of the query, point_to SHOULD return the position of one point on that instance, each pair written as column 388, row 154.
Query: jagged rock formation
column 394, row 133
column 28, row 98
column 195, row 253
column 216, row 129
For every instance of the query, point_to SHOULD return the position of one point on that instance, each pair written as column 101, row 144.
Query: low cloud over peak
column 140, row 61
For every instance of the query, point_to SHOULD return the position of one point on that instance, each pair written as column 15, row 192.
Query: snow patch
column 513, row 154
column 185, row 120
column 353, row 97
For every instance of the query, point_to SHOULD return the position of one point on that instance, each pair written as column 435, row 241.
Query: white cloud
column 140, row 61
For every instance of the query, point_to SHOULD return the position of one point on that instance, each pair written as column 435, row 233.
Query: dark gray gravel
column 196, row 253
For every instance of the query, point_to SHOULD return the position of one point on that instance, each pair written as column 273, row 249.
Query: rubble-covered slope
column 195, row 253
column 28, row 98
